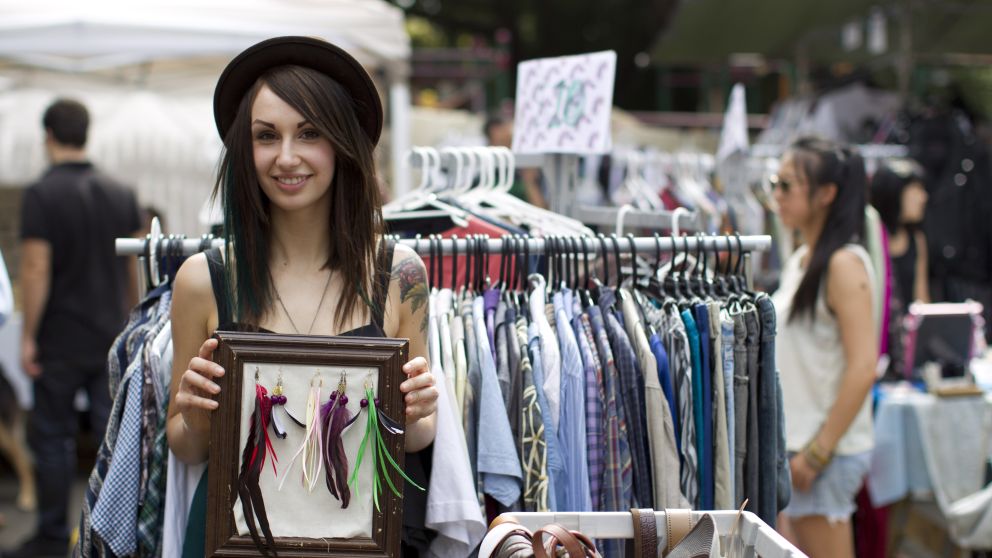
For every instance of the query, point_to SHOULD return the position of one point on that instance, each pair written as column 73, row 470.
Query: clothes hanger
column 425, row 195
column 454, row 261
column 573, row 244
column 585, row 294
column 621, row 295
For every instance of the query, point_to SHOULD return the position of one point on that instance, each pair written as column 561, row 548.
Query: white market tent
column 147, row 70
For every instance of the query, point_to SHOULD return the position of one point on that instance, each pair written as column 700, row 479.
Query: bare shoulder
column 192, row 290
column 847, row 276
column 845, row 261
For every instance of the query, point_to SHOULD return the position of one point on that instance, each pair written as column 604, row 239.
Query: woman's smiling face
column 293, row 160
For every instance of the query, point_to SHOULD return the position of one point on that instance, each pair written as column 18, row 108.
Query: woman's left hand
column 419, row 391
column 803, row 474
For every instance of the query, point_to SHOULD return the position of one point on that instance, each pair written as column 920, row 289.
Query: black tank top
column 416, row 537
column 904, row 271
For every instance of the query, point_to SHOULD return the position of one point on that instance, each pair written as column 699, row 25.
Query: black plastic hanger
column 587, row 296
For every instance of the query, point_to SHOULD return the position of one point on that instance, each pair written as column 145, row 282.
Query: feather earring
column 334, row 419
column 252, row 463
column 313, row 442
column 373, row 441
column 278, row 401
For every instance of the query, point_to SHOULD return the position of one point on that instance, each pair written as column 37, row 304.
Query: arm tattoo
column 413, row 285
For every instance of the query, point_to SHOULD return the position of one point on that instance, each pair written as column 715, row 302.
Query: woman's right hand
column 197, row 388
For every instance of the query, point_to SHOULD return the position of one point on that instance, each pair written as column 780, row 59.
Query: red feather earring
column 253, row 457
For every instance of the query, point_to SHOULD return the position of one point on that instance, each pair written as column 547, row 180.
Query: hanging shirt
column 123, row 359
column 618, row 481
column 550, row 353
column 444, row 299
column 460, row 372
column 572, row 429
column 473, row 383
column 723, row 496
column 499, row 464
column 632, row 399
column 533, row 448
column 506, row 330
column 665, row 381
column 702, row 315
column 594, row 404
column 661, row 434
column 697, row 400
column 491, row 300
column 452, row 502
column 680, row 364
column 556, row 463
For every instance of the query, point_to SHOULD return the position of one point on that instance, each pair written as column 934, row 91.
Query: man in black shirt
column 76, row 294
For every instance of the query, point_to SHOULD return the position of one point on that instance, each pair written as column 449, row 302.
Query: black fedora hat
column 242, row 72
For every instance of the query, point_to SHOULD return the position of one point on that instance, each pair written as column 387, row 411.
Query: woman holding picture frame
column 302, row 216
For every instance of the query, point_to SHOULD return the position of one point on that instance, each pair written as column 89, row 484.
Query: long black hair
column 887, row 185
column 356, row 207
column 823, row 162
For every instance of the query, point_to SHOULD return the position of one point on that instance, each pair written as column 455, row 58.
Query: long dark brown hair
column 356, row 206
column 823, row 162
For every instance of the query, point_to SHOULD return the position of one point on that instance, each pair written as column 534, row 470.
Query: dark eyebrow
column 270, row 125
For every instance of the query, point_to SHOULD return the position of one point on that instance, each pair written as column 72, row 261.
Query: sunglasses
column 778, row 183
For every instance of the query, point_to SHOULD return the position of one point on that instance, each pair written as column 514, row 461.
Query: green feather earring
column 373, row 440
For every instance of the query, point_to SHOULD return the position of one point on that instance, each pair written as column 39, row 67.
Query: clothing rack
column 755, row 535
column 646, row 245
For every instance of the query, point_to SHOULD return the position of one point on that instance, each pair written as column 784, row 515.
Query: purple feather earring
column 335, row 418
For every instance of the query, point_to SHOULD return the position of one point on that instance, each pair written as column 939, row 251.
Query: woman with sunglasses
column 827, row 343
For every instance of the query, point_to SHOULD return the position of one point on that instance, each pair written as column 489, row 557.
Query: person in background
column 827, row 343
column 898, row 194
column 527, row 182
column 76, row 293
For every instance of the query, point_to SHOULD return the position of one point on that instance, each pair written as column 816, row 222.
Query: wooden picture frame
column 238, row 351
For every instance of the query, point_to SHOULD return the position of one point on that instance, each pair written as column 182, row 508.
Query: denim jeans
column 740, row 406
column 727, row 340
column 767, row 416
column 752, row 465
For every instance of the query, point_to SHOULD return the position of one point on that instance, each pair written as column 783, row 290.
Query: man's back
column 80, row 212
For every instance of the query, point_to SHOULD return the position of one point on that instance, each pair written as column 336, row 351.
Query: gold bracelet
column 817, row 458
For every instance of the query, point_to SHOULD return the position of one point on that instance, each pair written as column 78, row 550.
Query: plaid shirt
column 150, row 516
column 125, row 350
column 617, row 487
column 594, row 406
column 533, row 448
column 680, row 366
column 632, row 398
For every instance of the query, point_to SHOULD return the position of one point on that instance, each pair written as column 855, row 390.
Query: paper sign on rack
column 564, row 104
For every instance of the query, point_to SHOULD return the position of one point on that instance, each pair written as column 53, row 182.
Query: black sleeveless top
column 416, row 537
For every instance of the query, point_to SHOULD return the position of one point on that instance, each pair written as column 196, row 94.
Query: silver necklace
column 319, row 305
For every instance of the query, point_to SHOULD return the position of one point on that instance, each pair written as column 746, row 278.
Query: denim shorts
column 833, row 492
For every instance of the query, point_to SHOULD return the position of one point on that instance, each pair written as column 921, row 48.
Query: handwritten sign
column 564, row 104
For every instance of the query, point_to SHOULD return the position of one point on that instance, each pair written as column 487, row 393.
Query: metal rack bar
column 645, row 245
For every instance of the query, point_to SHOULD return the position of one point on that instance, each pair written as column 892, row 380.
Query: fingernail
column 214, row 404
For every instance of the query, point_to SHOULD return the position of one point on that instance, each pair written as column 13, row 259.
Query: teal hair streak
column 248, row 276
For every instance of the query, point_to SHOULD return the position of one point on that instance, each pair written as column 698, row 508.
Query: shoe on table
column 39, row 546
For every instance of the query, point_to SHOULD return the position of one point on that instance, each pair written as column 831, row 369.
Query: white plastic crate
column 760, row 540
